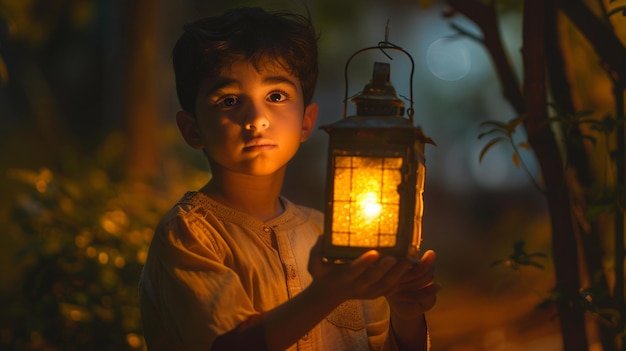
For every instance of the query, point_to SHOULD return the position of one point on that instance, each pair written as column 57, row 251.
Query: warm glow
column 134, row 340
column 119, row 262
column 366, row 201
column 91, row 252
column 103, row 258
column 370, row 207
column 76, row 315
column 141, row 256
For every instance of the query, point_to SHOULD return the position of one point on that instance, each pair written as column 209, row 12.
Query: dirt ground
column 491, row 308
column 469, row 318
column 466, row 319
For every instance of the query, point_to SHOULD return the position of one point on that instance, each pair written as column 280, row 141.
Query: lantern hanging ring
column 382, row 46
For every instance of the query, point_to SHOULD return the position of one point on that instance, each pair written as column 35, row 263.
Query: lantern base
column 333, row 253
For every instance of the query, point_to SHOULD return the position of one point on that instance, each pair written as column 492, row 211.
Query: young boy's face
column 249, row 121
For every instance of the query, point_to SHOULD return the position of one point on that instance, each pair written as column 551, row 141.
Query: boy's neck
column 258, row 196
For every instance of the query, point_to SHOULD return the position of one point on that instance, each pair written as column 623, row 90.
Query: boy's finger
column 425, row 264
column 367, row 258
column 428, row 258
column 360, row 264
column 394, row 273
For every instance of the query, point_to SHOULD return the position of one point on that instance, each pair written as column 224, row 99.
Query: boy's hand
column 366, row 277
column 416, row 292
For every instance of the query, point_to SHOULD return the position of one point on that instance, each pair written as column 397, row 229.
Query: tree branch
column 605, row 43
column 484, row 16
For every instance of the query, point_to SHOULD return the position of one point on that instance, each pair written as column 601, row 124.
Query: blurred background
column 91, row 158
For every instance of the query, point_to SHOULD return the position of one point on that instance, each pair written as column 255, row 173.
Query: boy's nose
column 257, row 120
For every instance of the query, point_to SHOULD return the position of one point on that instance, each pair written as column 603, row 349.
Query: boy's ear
column 308, row 122
column 188, row 127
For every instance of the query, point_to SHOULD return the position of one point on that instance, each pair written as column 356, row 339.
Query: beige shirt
column 211, row 267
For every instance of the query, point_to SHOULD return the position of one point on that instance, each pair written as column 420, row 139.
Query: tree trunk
column 142, row 97
column 612, row 55
column 578, row 175
column 541, row 139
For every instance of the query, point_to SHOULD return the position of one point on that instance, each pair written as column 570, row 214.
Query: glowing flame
column 370, row 207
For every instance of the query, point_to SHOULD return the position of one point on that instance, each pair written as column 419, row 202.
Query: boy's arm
column 366, row 277
column 282, row 326
column 410, row 335
column 289, row 322
column 415, row 295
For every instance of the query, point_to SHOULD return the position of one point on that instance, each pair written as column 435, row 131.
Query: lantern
column 375, row 173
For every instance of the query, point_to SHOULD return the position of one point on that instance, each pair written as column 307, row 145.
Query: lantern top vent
column 378, row 98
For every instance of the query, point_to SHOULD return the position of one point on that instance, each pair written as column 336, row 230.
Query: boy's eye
column 228, row 101
column 277, row 96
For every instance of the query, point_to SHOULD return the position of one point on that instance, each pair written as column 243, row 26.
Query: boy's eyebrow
column 280, row 79
column 222, row 82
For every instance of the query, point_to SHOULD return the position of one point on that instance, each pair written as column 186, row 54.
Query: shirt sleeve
column 380, row 334
column 189, row 297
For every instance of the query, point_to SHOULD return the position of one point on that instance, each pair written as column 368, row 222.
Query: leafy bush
column 80, row 240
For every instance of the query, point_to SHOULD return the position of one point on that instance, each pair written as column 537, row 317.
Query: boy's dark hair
column 248, row 33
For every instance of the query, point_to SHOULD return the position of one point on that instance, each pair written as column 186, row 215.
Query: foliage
column 520, row 257
column 504, row 133
column 601, row 201
column 587, row 298
column 82, row 239
column 567, row 162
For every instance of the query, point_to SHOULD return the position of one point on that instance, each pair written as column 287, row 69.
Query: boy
column 235, row 266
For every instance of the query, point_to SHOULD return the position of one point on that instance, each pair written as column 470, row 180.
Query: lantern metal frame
column 382, row 46
column 402, row 139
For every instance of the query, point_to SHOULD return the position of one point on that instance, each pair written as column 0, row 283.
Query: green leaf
column 583, row 113
column 489, row 146
column 616, row 10
column 593, row 140
column 516, row 160
column 513, row 124
column 497, row 124
column 494, row 130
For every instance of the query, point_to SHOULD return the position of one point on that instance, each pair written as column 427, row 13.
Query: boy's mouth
column 259, row 145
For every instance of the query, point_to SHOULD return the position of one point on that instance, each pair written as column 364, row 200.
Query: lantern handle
column 382, row 46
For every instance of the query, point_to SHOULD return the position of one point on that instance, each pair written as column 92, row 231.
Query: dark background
column 91, row 157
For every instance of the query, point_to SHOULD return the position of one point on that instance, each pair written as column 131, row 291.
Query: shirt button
column 267, row 229
column 292, row 272
column 306, row 337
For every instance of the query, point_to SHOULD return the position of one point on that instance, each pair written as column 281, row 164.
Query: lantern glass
column 366, row 201
column 374, row 191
